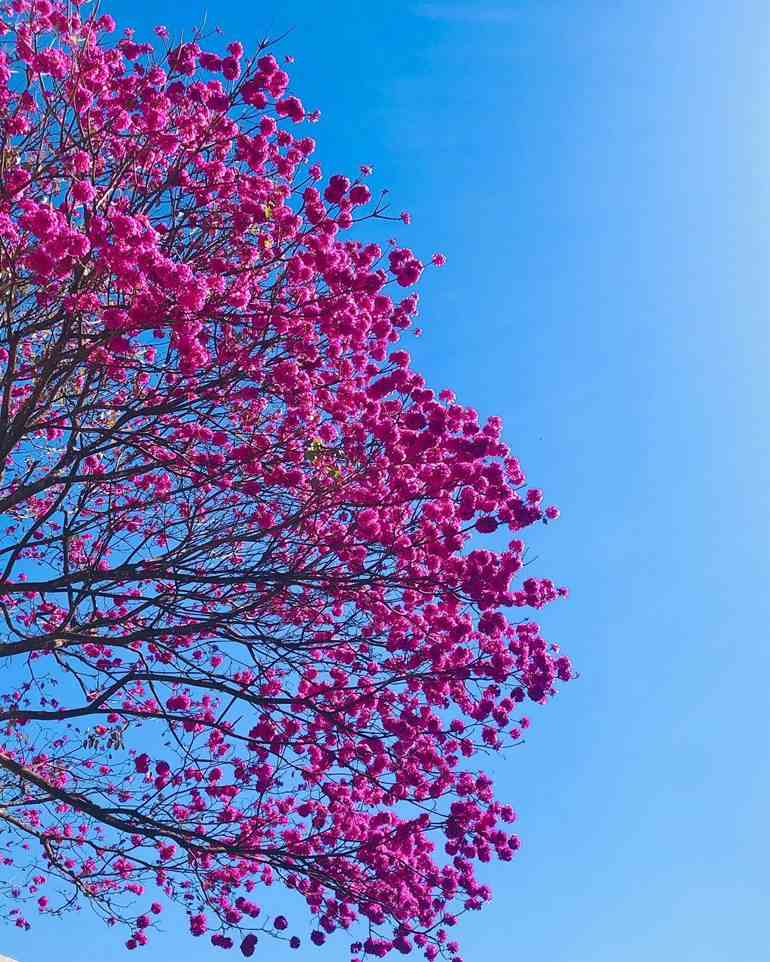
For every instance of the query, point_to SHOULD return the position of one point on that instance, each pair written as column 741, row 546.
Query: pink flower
column 268, row 64
column 486, row 525
column 231, row 68
column 291, row 107
column 336, row 189
column 83, row 191
column 248, row 945
column 360, row 194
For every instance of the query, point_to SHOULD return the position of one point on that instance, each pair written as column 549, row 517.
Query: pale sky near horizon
column 598, row 174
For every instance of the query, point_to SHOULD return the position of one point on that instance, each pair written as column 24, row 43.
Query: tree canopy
column 252, row 630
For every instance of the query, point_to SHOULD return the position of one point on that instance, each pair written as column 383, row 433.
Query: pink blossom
column 83, row 191
column 290, row 107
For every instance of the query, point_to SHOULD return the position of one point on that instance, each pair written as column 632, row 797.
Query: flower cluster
column 259, row 581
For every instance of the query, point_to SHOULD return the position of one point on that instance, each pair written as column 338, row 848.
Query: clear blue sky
column 598, row 174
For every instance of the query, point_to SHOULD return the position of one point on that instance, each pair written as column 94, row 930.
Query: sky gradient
column 598, row 175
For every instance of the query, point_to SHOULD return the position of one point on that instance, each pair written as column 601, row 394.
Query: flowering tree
column 248, row 635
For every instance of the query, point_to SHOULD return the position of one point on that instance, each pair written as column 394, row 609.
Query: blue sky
column 598, row 174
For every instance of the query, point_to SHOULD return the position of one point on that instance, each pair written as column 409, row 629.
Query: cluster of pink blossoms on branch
column 250, row 631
